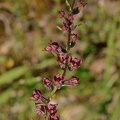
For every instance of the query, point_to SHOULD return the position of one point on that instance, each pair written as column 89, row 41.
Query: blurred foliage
column 25, row 29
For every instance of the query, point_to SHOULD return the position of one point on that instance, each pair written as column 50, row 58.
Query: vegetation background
column 27, row 26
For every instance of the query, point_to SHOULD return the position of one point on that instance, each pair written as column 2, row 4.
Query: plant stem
column 68, row 43
column 68, row 49
column 53, row 93
column 54, row 90
column 73, row 4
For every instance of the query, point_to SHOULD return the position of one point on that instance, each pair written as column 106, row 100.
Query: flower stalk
column 65, row 61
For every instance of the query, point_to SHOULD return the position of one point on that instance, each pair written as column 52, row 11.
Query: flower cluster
column 68, row 27
column 42, row 106
column 65, row 61
column 59, row 81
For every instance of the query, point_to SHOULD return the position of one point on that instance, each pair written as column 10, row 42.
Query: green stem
column 53, row 93
column 54, row 90
column 68, row 49
column 73, row 4
column 68, row 43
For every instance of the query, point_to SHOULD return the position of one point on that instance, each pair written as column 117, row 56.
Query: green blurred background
column 26, row 27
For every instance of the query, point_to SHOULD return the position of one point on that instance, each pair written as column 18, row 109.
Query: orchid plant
column 44, row 106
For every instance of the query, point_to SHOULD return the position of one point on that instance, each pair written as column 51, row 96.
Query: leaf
column 59, row 28
column 116, row 111
column 68, row 4
column 79, row 24
column 5, row 96
column 13, row 74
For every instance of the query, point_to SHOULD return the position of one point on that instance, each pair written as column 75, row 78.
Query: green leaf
column 68, row 4
column 78, row 25
column 59, row 28
column 116, row 111
column 13, row 74
column 5, row 96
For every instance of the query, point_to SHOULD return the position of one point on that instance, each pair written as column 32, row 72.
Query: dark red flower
column 70, row 19
column 53, row 118
column 58, row 79
column 62, row 59
column 73, row 38
column 51, row 109
column 65, row 26
column 47, row 83
column 48, row 49
column 61, row 14
column 52, row 46
column 36, row 95
column 74, row 81
column 75, row 63
column 39, row 109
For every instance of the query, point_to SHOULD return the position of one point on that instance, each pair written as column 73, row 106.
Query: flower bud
column 62, row 59
column 75, row 63
column 73, row 38
column 74, row 81
column 61, row 14
column 36, row 95
column 51, row 109
column 47, row 83
column 58, row 79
